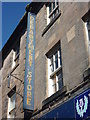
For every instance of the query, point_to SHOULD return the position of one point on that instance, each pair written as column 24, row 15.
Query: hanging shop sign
column 28, row 102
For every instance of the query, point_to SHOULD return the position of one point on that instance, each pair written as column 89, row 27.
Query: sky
column 12, row 12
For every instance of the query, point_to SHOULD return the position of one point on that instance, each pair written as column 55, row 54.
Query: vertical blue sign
column 82, row 105
column 28, row 102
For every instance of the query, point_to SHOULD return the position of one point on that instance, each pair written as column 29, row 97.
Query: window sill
column 53, row 97
column 12, row 111
column 53, row 73
column 51, row 23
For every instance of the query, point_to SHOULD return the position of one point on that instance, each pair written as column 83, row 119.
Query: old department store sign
column 29, row 65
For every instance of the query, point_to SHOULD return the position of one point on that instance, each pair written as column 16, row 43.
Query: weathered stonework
column 69, row 30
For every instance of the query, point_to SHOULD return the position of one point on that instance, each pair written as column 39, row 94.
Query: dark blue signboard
column 82, row 105
column 63, row 112
column 73, row 109
column 28, row 102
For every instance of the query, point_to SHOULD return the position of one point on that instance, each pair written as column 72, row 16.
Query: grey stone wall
column 69, row 29
column 17, row 72
column 0, row 94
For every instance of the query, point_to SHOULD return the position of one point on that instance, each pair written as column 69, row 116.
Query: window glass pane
column 56, row 60
column 60, row 57
column 17, row 51
column 54, row 13
column 88, row 23
column 51, row 17
column 54, row 84
column 52, row 64
column 60, row 80
column 53, row 5
column 89, row 34
column 12, row 102
column 57, row 11
column 50, row 9
column 56, row 1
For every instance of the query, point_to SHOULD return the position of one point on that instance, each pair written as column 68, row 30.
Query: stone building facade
column 13, row 60
column 62, row 59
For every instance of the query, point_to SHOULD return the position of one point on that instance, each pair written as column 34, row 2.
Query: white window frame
column 88, row 39
column 16, row 53
column 59, row 65
column 86, row 27
column 11, row 106
column 51, row 14
column 53, row 74
column 13, row 62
